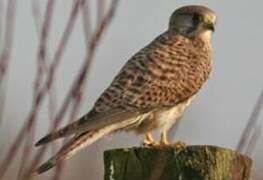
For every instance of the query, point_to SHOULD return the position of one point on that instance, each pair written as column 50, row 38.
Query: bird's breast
column 165, row 118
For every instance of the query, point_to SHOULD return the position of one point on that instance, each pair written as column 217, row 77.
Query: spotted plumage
column 165, row 72
column 153, row 88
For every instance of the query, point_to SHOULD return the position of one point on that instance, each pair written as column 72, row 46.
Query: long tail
column 86, row 132
column 87, row 123
column 74, row 145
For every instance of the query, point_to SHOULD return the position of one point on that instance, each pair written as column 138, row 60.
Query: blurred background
column 217, row 116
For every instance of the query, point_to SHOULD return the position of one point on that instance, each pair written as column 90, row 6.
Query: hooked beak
column 211, row 27
column 209, row 23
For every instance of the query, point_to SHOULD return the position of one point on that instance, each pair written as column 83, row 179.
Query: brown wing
column 167, row 71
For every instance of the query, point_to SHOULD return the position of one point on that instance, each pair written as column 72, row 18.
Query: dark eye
column 196, row 18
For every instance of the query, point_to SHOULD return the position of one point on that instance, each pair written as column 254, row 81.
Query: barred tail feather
column 77, row 143
column 68, row 130
column 87, row 123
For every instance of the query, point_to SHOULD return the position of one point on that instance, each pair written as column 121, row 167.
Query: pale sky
column 217, row 116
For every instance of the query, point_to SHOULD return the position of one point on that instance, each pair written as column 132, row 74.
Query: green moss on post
column 189, row 163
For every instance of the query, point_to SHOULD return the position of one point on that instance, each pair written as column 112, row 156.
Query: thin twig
column 43, row 91
column 32, row 116
column 27, row 151
column 6, row 51
column 8, row 37
column 52, row 92
column 3, row 83
column 57, row 57
column 37, row 17
column 73, row 116
column 1, row 26
column 42, row 69
column 251, row 125
column 86, row 18
column 101, row 8
column 3, row 88
column 77, row 90
column 60, row 167
column 5, row 56
column 253, row 141
column 43, row 45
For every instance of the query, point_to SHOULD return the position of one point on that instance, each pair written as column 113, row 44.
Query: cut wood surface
column 187, row 163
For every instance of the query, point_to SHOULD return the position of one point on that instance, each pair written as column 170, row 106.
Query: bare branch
column 36, row 16
column 42, row 68
column 86, row 22
column 1, row 23
column 74, row 96
column 8, row 37
column 251, row 125
column 3, row 87
column 30, row 123
column 52, row 92
column 101, row 7
column 78, row 88
column 3, row 82
column 253, row 140
column 5, row 56
column 5, row 51
column 49, row 83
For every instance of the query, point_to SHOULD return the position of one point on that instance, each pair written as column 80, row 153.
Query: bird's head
column 193, row 21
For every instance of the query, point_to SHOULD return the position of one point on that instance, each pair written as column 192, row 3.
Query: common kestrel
column 152, row 89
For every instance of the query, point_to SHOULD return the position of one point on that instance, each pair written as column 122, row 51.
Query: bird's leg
column 149, row 141
column 149, row 137
column 164, row 140
column 165, row 143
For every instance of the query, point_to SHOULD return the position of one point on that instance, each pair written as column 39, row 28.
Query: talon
column 151, row 144
column 149, row 141
column 165, row 143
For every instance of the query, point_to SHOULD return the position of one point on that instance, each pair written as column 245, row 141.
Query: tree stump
column 188, row 163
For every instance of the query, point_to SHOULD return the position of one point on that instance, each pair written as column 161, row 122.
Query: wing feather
column 87, row 123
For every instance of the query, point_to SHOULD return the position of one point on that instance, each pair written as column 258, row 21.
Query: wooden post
column 189, row 163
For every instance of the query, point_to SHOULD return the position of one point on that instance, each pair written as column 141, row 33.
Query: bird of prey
column 153, row 88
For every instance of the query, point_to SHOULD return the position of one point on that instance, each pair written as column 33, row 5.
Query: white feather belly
column 165, row 118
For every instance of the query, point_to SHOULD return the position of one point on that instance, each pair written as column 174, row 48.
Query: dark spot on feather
column 149, row 98
column 118, row 86
column 148, row 93
column 122, row 83
column 140, row 79
column 106, row 95
column 111, row 90
column 134, row 90
column 114, row 101
column 163, row 78
column 129, row 76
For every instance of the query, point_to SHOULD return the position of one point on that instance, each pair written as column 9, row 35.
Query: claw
column 149, row 141
column 165, row 143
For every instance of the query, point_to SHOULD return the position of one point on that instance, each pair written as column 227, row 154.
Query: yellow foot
column 163, row 143
column 177, row 145
column 150, row 144
column 149, row 141
column 158, row 144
